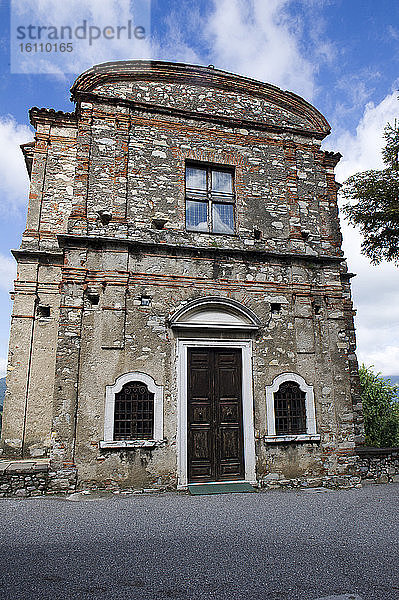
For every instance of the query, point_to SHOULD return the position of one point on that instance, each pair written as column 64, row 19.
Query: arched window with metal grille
column 134, row 412
column 290, row 409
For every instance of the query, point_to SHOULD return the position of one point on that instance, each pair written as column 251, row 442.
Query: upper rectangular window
column 210, row 199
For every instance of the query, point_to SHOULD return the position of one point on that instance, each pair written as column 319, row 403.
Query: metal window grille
column 210, row 199
column 134, row 412
column 290, row 410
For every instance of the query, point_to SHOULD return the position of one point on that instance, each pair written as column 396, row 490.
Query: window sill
column 303, row 437
column 149, row 444
column 212, row 233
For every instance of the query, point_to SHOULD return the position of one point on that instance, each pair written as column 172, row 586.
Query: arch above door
column 215, row 312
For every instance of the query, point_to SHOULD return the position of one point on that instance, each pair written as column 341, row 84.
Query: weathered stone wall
column 32, row 349
column 31, row 362
column 378, row 465
column 199, row 98
column 51, row 180
column 25, row 479
column 136, row 174
column 138, row 338
column 369, row 466
column 114, row 170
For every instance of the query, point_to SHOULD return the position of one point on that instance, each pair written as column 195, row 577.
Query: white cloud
column 174, row 45
column 351, row 93
column 3, row 367
column 13, row 176
column 264, row 40
column 394, row 33
column 7, row 272
column 104, row 14
column 375, row 288
column 362, row 150
column 260, row 39
column 385, row 360
column 375, row 294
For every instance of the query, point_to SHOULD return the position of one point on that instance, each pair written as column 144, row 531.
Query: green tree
column 380, row 408
column 374, row 202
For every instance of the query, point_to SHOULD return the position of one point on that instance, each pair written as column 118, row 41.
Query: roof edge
column 28, row 150
column 197, row 75
column 42, row 114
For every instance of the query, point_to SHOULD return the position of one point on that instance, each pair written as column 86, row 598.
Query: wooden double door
column 215, row 430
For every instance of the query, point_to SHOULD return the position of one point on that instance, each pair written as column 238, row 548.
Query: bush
column 380, row 408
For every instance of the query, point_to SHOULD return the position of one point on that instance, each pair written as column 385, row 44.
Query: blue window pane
column 195, row 178
column 222, row 181
column 223, row 218
column 196, row 215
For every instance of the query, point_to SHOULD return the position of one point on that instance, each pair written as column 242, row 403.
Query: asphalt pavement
column 275, row 545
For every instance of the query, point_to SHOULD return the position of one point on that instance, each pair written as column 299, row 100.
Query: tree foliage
column 374, row 202
column 380, row 408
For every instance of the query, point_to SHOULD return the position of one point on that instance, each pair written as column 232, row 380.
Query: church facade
column 182, row 309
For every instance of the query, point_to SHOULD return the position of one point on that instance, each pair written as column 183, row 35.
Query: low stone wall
column 274, row 481
column 370, row 465
column 378, row 465
column 25, row 478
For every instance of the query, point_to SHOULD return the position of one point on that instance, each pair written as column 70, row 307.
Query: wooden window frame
column 211, row 197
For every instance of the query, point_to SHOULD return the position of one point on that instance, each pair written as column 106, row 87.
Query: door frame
column 247, row 403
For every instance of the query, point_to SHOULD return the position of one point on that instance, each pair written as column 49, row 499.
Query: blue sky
column 341, row 55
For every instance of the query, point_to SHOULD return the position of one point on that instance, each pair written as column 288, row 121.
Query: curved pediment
column 177, row 86
column 214, row 312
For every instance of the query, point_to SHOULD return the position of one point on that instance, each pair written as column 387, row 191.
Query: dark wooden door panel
column 200, row 416
column 230, row 454
column 215, row 437
column 229, row 458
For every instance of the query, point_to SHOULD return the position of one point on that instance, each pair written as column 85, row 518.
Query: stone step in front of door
column 202, row 489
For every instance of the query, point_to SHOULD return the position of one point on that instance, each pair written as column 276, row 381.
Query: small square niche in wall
column 317, row 309
column 94, row 299
column 145, row 301
column 275, row 308
column 42, row 310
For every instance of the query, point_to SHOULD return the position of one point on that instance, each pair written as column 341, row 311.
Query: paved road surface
column 340, row 545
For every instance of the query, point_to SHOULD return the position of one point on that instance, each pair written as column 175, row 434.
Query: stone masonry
column 108, row 271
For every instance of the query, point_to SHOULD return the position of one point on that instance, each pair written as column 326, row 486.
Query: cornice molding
column 66, row 240
column 37, row 115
